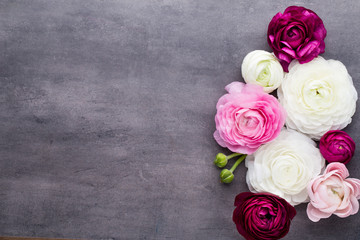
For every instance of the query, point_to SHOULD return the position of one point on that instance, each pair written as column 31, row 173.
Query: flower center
column 265, row 74
column 336, row 191
column 248, row 122
column 333, row 190
column 287, row 173
column 293, row 36
column 317, row 95
column 266, row 214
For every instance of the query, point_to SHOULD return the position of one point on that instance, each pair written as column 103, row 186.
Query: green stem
column 232, row 169
column 233, row 155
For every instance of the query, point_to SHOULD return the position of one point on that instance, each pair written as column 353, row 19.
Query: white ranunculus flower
column 262, row 68
column 318, row 96
column 285, row 166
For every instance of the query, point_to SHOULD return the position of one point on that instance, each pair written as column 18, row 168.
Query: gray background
column 107, row 114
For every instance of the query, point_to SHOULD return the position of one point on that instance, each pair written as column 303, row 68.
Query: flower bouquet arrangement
column 276, row 137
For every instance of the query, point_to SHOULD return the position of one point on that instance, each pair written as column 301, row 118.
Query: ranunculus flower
column 262, row 68
column 333, row 193
column 298, row 33
column 318, row 96
column 285, row 166
column 247, row 117
column 337, row 146
column 262, row 216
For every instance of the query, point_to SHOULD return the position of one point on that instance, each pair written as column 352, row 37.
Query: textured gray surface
column 107, row 113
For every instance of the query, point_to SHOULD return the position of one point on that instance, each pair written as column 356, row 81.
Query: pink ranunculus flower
column 337, row 146
column 298, row 33
column 333, row 193
column 247, row 117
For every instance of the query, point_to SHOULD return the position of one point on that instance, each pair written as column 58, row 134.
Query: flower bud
column 226, row 176
column 220, row 160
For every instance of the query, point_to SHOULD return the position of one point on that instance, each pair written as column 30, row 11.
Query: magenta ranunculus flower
column 337, row 146
column 247, row 117
column 298, row 33
column 260, row 216
column 333, row 193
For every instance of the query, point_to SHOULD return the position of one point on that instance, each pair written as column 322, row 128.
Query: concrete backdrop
column 107, row 114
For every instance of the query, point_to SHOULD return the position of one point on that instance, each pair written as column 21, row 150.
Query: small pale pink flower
column 333, row 193
column 247, row 117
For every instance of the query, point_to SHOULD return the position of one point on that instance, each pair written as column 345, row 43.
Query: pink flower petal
column 315, row 214
column 235, row 87
column 218, row 139
column 339, row 167
column 355, row 183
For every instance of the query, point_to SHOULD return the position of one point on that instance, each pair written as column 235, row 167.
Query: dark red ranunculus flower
column 298, row 33
column 337, row 146
column 262, row 216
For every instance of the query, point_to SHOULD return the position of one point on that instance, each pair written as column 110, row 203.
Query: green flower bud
column 220, row 160
column 226, row 176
